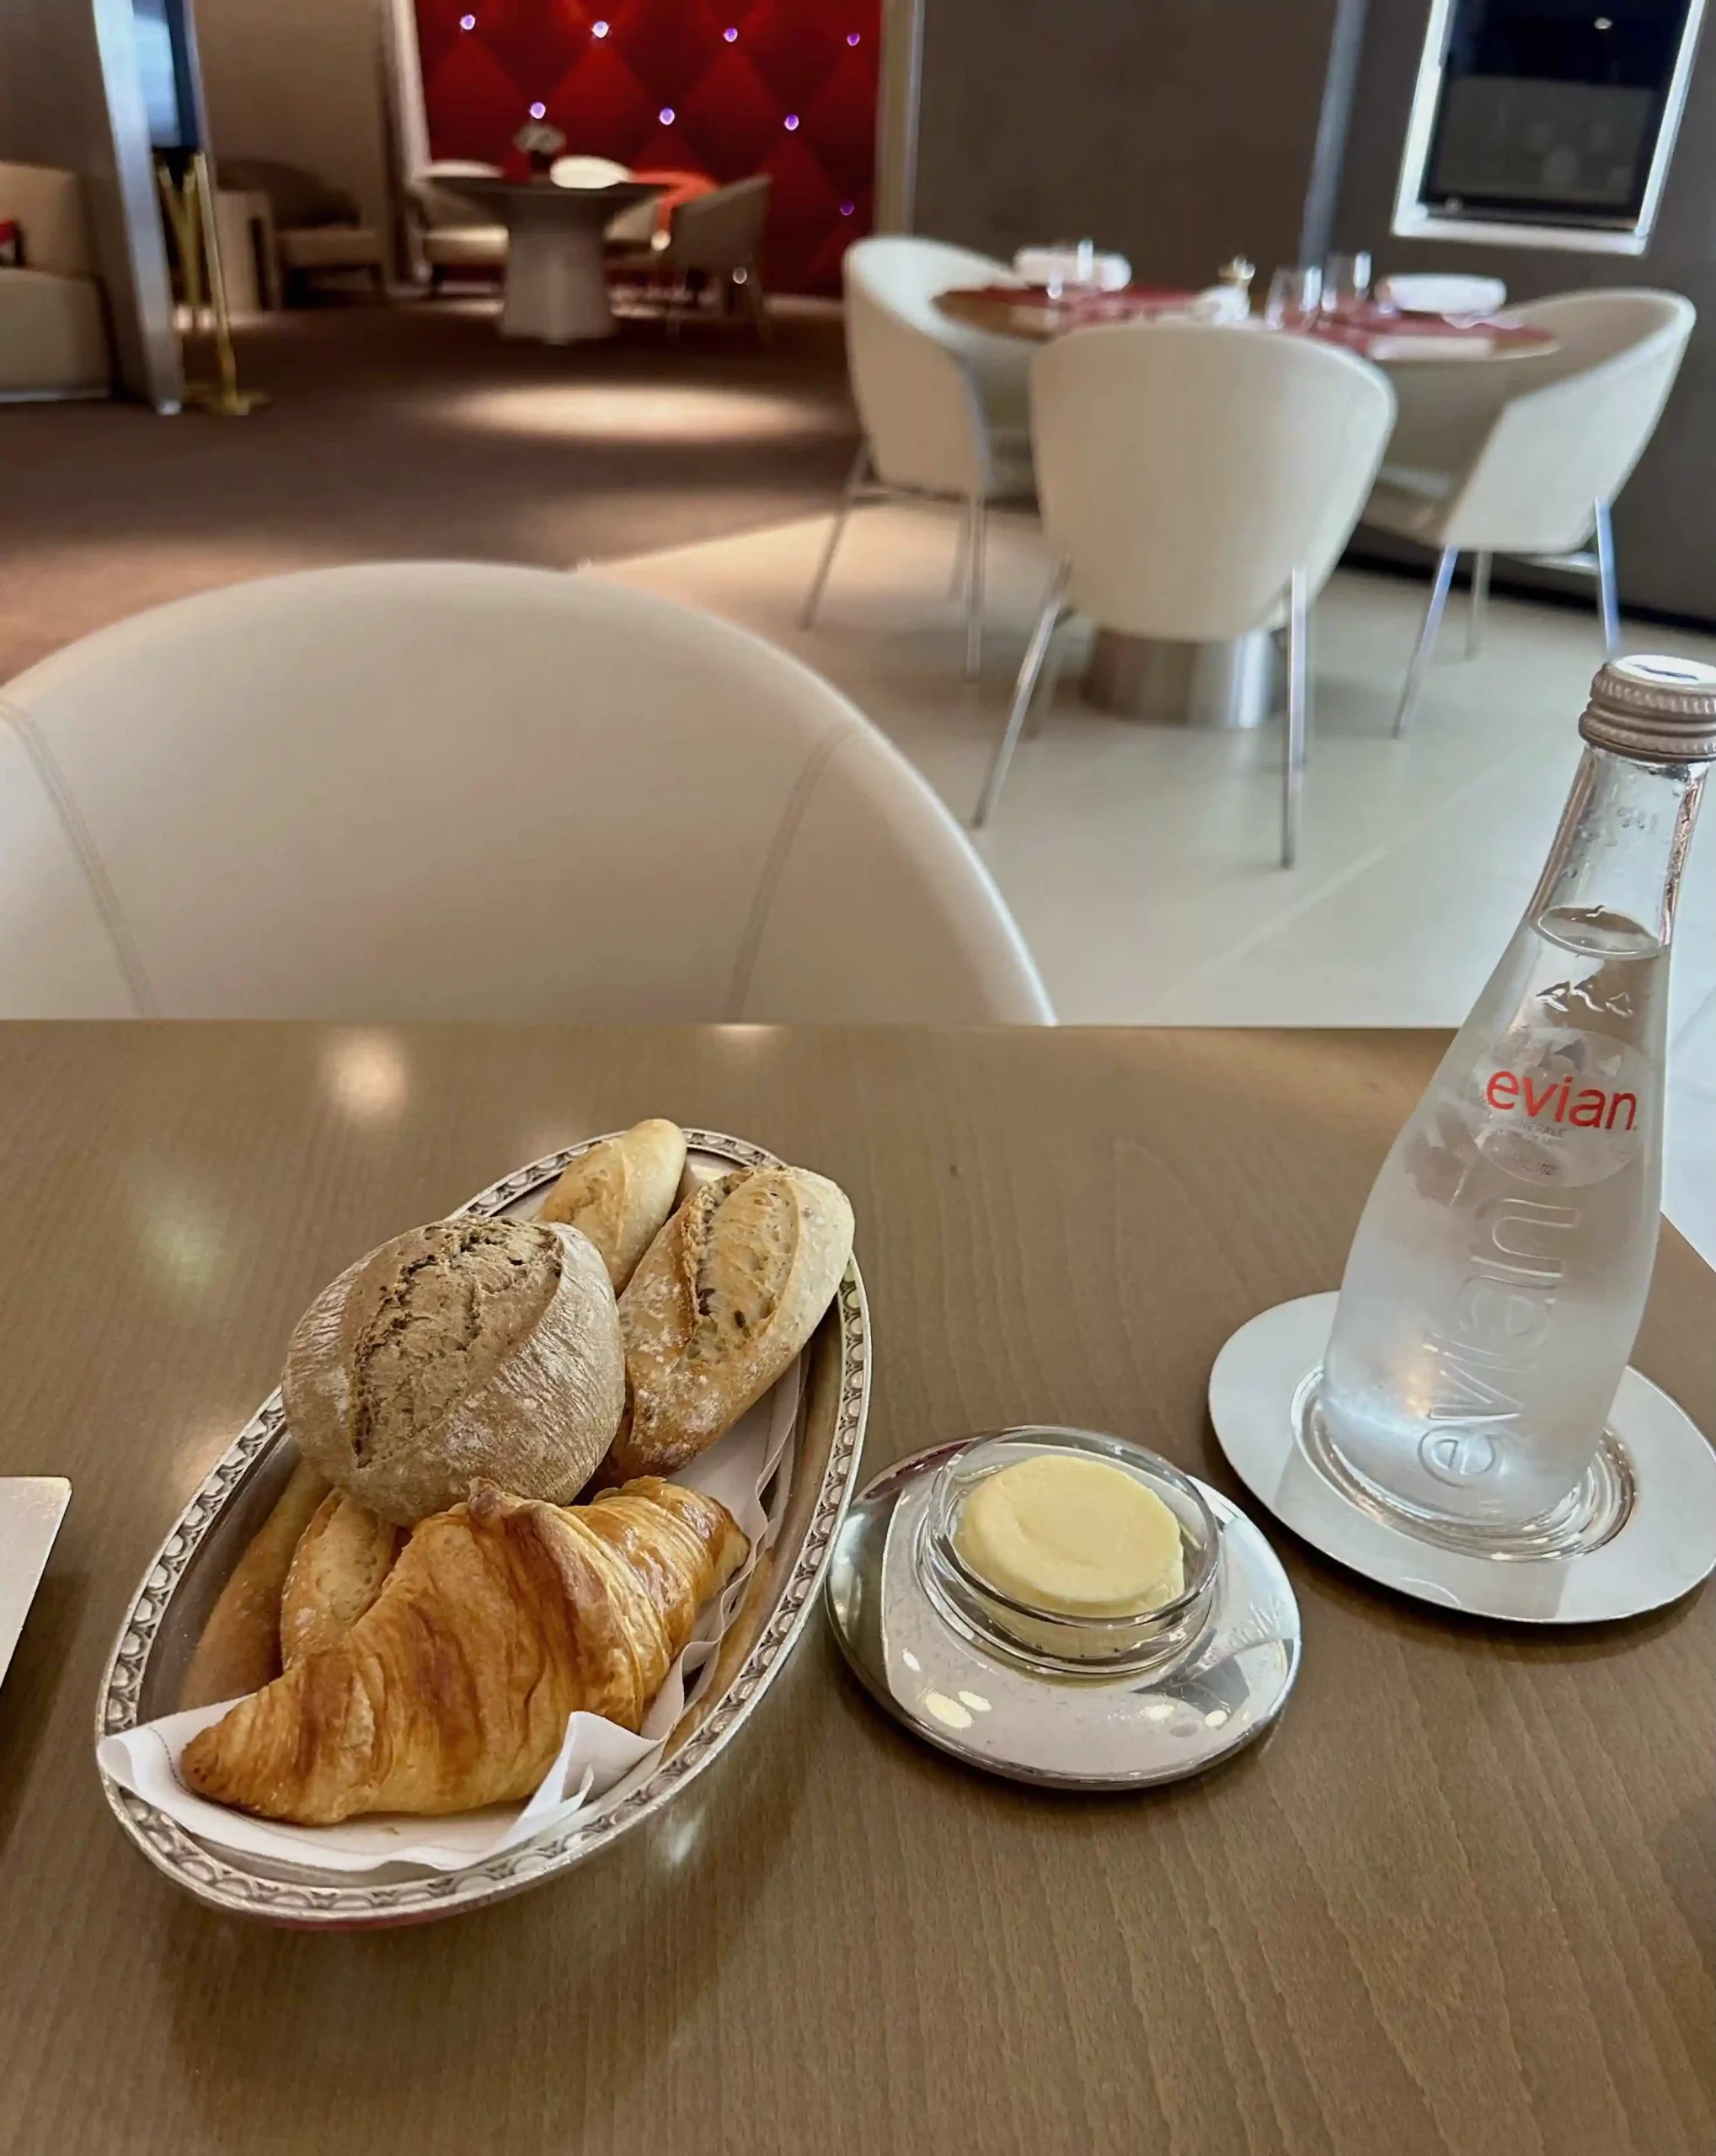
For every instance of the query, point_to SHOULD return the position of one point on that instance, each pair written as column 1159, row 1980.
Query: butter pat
column 1065, row 1533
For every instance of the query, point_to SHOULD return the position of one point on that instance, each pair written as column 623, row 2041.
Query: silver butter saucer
column 1639, row 1531
column 1114, row 1703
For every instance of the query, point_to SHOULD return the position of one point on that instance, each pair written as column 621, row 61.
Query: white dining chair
column 450, row 232
column 1525, row 456
column 440, row 790
column 1428, row 292
column 945, row 407
column 1197, row 483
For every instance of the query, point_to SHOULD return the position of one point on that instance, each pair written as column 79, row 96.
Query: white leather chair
column 945, row 409
column 1524, row 457
column 451, row 234
column 1196, row 481
column 432, row 790
column 53, row 322
column 1430, row 294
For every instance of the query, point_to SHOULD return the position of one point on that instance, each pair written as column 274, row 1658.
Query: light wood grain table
column 1459, row 1902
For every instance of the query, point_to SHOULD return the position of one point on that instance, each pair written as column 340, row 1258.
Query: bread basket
column 167, row 1614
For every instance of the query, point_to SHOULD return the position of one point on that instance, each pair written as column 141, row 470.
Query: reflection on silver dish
column 1197, row 1679
column 1638, row 1533
column 1593, row 1512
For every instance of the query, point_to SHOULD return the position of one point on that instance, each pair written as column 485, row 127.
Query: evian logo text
column 1536, row 1098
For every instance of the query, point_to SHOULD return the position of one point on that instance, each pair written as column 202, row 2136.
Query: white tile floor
column 1140, row 860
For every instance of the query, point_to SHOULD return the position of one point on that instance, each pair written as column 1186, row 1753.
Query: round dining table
column 556, row 285
column 1230, row 684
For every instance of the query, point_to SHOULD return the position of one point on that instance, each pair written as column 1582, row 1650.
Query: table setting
column 720, row 1582
column 1078, row 287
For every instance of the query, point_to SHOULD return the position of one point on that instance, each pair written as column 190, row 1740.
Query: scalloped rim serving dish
column 167, row 1615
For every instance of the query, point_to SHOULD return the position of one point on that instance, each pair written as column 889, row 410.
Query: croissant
column 501, row 1619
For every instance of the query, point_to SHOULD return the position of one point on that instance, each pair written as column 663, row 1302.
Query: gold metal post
column 190, row 205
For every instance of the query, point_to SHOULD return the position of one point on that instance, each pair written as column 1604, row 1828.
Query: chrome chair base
column 1035, row 668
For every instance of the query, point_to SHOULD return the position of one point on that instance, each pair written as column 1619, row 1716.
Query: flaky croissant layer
column 501, row 1619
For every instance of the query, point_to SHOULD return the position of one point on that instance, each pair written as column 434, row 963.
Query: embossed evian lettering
column 1503, row 1313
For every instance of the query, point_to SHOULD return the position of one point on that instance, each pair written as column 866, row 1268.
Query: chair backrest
column 1575, row 422
column 1185, row 469
column 587, row 172
column 434, row 790
column 640, row 225
column 918, row 378
column 722, row 229
column 300, row 201
column 53, row 217
column 1429, row 293
column 442, row 209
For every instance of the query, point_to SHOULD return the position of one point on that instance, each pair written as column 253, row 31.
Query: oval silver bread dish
column 171, row 1606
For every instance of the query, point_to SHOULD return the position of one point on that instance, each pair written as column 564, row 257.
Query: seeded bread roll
column 620, row 1192
column 724, row 1298
column 468, row 1347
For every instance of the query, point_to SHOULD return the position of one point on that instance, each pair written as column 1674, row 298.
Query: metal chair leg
column 757, row 301
column 1049, row 688
column 1426, row 640
column 956, row 581
column 977, row 513
column 1608, row 605
column 1030, row 673
column 1480, row 601
column 849, row 493
column 1298, row 718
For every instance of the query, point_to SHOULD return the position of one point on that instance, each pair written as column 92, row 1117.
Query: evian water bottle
column 1497, row 1280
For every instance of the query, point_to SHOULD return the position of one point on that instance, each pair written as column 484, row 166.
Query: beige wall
column 1180, row 131
column 300, row 80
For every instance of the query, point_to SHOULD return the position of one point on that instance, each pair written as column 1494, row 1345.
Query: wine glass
column 1295, row 296
column 1346, row 283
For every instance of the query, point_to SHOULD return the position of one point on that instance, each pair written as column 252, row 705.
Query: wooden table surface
column 1460, row 1902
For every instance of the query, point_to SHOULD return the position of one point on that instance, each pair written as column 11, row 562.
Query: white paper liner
column 598, row 1760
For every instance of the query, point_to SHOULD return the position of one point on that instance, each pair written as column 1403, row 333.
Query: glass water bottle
column 1495, row 1286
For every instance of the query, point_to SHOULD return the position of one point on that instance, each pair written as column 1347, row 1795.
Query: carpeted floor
column 415, row 429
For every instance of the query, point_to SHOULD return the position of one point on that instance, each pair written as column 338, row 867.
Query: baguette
column 620, row 1193
column 722, row 1301
column 239, row 1650
column 338, row 1570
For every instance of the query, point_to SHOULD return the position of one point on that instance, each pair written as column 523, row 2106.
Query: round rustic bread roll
column 467, row 1347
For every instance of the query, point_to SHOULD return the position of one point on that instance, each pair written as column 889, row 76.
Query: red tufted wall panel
column 724, row 87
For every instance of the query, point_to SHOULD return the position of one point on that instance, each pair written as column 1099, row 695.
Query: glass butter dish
column 1054, row 1683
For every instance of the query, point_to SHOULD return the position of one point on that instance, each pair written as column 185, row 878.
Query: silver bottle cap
column 1656, row 710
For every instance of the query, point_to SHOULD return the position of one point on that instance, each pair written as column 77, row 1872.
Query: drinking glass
column 1346, row 283
column 1295, row 296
